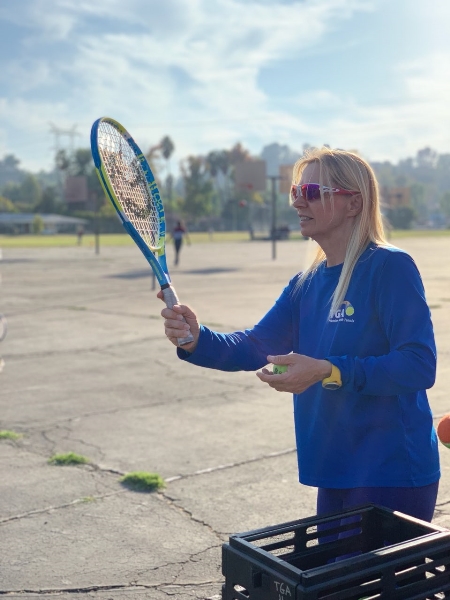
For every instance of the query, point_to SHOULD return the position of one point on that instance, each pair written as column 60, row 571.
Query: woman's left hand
column 303, row 371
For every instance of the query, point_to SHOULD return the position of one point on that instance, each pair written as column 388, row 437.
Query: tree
column 218, row 165
column 12, row 192
column 31, row 192
column 418, row 200
column 10, row 162
column 426, row 158
column 9, row 170
column 198, row 187
column 444, row 204
column 37, row 226
column 62, row 160
column 24, row 195
column 48, row 203
column 238, row 154
column 167, row 147
column 82, row 163
column 443, row 172
column 401, row 217
column 6, row 206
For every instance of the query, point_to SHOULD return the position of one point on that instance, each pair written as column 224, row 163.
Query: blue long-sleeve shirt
column 377, row 429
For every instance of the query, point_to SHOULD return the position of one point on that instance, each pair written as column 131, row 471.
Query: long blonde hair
column 339, row 168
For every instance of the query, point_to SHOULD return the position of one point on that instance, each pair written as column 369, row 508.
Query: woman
column 355, row 332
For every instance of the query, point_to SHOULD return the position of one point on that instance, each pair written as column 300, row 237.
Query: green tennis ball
column 278, row 369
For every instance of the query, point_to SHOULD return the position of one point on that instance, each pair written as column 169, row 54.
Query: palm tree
column 167, row 148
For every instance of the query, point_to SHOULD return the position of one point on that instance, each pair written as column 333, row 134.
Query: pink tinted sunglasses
column 311, row 191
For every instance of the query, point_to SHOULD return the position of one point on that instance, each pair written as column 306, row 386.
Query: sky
column 370, row 75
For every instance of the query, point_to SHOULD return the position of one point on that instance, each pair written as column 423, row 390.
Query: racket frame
column 155, row 256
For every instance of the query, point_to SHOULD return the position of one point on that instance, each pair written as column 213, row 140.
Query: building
column 22, row 223
column 395, row 197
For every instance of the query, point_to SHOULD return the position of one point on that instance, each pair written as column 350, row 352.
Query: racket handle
column 171, row 298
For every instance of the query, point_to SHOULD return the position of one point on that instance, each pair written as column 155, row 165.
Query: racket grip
column 171, row 298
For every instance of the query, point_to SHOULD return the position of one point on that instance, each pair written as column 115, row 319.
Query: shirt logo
column 344, row 313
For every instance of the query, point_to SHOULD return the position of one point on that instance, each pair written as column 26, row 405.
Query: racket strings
column 129, row 183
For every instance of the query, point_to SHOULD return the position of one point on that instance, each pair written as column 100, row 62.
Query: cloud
column 391, row 130
column 190, row 68
column 133, row 60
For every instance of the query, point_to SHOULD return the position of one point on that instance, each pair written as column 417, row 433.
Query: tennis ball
column 443, row 430
column 278, row 369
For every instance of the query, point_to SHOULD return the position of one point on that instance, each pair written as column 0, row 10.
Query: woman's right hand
column 175, row 327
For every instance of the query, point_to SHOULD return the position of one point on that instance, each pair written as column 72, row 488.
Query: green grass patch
column 403, row 233
column 123, row 239
column 70, row 458
column 63, row 240
column 5, row 434
column 140, row 481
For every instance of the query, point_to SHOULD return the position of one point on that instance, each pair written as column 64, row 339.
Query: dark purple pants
column 418, row 502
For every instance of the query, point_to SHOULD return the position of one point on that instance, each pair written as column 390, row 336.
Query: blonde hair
column 347, row 170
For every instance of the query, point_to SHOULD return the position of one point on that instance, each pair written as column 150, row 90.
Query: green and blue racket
column 129, row 183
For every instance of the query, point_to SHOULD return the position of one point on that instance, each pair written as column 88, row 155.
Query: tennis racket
column 129, row 183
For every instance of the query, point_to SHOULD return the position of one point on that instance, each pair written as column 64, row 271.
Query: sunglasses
column 311, row 191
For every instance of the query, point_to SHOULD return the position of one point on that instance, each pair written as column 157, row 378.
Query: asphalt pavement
column 88, row 370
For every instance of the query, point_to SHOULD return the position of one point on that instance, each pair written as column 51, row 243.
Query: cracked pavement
column 88, row 370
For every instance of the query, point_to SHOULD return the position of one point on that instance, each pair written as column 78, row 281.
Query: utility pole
column 70, row 133
column 58, row 132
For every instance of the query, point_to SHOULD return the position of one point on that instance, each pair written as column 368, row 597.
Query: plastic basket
column 368, row 552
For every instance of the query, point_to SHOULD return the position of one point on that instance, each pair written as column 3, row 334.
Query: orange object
column 443, row 430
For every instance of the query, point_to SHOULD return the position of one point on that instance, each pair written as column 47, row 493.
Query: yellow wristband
column 333, row 381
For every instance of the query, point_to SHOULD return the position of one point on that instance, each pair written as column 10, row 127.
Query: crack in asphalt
column 73, row 351
column 119, row 587
column 97, row 468
column 172, row 503
column 39, row 511
column 231, row 465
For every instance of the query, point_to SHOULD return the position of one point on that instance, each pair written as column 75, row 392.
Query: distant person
column 80, row 233
column 178, row 234
column 354, row 335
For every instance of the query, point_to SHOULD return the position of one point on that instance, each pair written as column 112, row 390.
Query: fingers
column 275, row 381
column 178, row 329
column 174, row 323
column 282, row 359
column 178, row 322
column 178, row 312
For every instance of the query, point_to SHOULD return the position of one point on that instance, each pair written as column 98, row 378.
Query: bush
column 37, row 226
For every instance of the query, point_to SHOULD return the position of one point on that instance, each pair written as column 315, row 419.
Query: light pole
column 274, row 179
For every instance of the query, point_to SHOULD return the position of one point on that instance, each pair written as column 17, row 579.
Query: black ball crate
column 365, row 553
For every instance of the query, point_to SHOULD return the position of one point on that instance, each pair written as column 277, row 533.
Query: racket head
column 130, row 185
